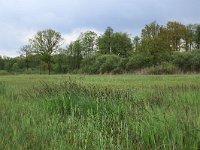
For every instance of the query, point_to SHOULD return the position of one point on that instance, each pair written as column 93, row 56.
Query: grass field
column 100, row 112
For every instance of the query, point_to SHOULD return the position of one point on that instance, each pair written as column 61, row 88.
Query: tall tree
column 197, row 37
column 75, row 50
column 121, row 44
column 189, row 37
column 46, row 43
column 176, row 33
column 105, row 41
column 88, row 42
column 26, row 52
column 151, row 30
column 114, row 43
column 154, row 43
column 2, row 63
column 136, row 43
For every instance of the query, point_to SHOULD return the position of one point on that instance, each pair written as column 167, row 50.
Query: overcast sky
column 21, row 19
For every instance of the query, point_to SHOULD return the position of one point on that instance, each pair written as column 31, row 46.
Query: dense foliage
column 172, row 48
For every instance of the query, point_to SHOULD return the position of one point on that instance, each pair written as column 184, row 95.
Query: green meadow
column 100, row 112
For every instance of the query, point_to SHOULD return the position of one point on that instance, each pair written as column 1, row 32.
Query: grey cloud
column 19, row 17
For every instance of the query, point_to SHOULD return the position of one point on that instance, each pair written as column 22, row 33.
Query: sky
column 21, row 19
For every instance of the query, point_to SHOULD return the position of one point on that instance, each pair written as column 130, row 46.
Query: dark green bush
column 100, row 64
column 4, row 72
column 183, row 60
column 123, row 63
column 117, row 70
column 88, row 65
column 195, row 61
column 108, row 63
column 164, row 68
column 138, row 61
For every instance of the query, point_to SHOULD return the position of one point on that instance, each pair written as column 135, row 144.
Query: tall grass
column 77, row 115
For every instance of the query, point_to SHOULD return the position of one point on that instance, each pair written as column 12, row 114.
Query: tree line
column 169, row 48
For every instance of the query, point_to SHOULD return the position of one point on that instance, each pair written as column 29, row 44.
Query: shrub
column 88, row 65
column 4, row 72
column 123, row 63
column 117, row 70
column 195, row 60
column 183, row 60
column 138, row 61
column 108, row 63
column 100, row 64
column 164, row 68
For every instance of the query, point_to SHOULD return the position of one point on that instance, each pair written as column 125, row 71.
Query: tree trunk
column 49, row 66
column 27, row 65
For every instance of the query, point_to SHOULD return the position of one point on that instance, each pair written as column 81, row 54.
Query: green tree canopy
column 46, row 43
column 105, row 41
column 88, row 42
